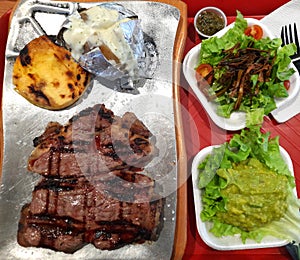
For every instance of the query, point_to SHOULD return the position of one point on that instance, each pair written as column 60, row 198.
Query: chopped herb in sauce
column 209, row 23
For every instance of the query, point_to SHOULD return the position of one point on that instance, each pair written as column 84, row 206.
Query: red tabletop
column 249, row 8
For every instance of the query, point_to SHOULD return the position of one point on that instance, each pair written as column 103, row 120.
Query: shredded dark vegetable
column 238, row 66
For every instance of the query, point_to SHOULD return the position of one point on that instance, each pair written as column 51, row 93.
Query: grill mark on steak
column 62, row 208
column 111, row 189
column 44, row 231
column 92, row 188
column 112, row 141
column 68, row 235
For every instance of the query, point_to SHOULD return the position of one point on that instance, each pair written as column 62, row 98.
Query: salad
column 248, row 189
column 244, row 71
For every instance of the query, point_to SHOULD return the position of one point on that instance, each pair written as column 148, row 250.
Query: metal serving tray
column 22, row 122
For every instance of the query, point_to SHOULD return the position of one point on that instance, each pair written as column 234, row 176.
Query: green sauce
column 255, row 195
column 209, row 23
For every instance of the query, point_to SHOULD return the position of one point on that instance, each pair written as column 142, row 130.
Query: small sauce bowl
column 209, row 20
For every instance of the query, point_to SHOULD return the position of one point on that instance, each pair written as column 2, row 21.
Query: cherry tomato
column 202, row 71
column 287, row 84
column 255, row 31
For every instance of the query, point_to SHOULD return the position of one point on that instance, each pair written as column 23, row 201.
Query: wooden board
column 181, row 212
column 6, row 5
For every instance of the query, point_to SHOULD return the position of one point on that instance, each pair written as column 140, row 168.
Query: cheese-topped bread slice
column 47, row 75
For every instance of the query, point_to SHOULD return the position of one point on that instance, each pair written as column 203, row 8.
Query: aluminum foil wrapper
column 122, row 76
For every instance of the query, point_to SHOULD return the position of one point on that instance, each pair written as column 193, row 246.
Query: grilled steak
column 94, row 140
column 92, row 188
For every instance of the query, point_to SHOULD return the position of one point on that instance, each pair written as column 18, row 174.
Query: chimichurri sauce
column 209, row 23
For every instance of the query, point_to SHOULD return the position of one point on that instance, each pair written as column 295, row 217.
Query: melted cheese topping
column 99, row 26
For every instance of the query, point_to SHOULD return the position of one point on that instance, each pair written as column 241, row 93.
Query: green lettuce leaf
column 212, row 52
column 250, row 143
column 212, row 163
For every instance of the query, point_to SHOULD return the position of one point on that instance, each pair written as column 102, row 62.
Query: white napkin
column 286, row 14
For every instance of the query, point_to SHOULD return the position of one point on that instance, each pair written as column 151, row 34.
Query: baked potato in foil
column 108, row 41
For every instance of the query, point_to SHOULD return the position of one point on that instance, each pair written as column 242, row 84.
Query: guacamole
column 254, row 195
